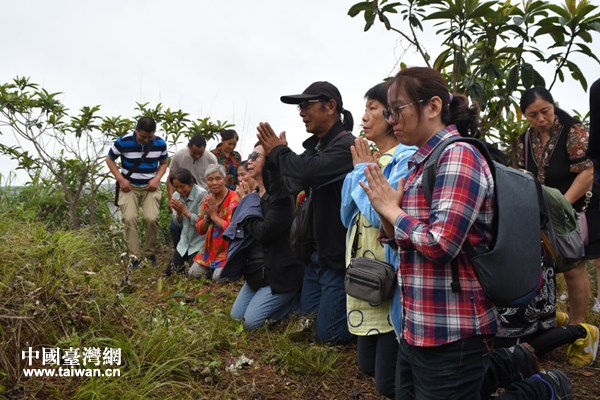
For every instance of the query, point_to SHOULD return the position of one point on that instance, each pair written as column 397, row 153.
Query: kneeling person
column 273, row 276
column 186, row 204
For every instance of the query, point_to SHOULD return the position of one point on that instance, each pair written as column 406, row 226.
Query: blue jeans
column 259, row 306
column 323, row 295
column 452, row 371
column 377, row 356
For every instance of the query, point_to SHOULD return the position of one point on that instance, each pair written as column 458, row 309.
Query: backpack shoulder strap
column 430, row 171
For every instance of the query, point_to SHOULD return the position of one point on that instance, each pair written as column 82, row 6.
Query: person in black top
column 320, row 170
column 272, row 274
column 593, row 153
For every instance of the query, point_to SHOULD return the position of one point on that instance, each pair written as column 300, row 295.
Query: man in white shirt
column 195, row 158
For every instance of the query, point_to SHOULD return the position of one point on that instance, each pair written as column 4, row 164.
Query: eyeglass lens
column 305, row 104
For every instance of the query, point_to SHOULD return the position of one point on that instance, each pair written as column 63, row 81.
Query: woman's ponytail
column 347, row 121
column 465, row 117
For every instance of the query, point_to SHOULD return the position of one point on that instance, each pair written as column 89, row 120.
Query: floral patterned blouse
column 230, row 163
column 577, row 143
column 215, row 247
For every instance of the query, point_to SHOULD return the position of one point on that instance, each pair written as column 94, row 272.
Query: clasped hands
column 383, row 197
column 243, row 190
column 268, row 138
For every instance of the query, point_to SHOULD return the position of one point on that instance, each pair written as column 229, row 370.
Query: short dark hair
column 146, row 124
column 229, row 134
column 184, row 176
column 539, row 92
column 197, row 141
column 379, row 93
column 243, row 164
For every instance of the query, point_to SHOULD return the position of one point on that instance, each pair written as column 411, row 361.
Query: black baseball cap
column 317, row 90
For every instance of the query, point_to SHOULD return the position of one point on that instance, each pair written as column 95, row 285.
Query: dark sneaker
column 153, row 262
column 135, row 264
column 559, row 385
column 524, row 362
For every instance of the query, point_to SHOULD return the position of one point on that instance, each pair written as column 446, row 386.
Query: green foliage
column 490, row 49
column 175, row 126
column 67, row 165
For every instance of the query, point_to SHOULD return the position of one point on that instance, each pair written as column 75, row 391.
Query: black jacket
column 284, row 272
column 323, row 171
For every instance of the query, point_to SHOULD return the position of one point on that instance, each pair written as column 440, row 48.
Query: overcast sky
column 230, row 60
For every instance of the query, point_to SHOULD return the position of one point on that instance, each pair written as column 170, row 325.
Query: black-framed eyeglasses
column 305, row 103
column 254, row 155
column 395, row 112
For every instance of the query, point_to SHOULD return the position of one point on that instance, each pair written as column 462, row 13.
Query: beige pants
column 130, row 203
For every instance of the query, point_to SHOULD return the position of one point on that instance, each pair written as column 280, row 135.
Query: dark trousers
column 178, row 261
column 465, row 369
column 377, row 356
column 544, row 341
column 501, row 373
column 451, row 371
column 324, row 295
column 175, row 233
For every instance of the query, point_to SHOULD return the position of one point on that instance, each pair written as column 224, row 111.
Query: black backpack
column 511, row 272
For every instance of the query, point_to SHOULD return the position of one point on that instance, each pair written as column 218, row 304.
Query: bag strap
column 527, row 149
column 588, row 198
column 355, row 241
column 140, row 161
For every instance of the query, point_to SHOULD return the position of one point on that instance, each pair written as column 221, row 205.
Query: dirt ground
column 273, row 383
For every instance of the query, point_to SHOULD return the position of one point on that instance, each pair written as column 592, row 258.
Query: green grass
column 61, row 288
column 65, row 289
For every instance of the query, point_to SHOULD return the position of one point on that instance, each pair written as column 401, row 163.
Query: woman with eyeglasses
column 228, row 157
column 377, row 346
column 446, row 338
column 272, row 274
column 214, row 218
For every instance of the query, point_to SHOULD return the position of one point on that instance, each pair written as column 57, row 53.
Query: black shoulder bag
column 368, row 279
column 301, row 237
column 131, row 171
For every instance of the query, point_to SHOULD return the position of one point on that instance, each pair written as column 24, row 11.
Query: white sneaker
column 563, row 297
column 597, row 306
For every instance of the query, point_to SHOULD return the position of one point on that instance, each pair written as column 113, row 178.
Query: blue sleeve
column 115, row 150
column 398, row 168
column 348, row 208
column 355, row 199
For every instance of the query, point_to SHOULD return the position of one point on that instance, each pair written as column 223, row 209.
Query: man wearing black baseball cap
column 320, row 171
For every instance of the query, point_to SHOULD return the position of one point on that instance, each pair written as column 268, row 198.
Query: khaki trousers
column 129, row 203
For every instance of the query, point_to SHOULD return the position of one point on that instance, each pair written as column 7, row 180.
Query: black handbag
column 301, row 230
column 368, row 279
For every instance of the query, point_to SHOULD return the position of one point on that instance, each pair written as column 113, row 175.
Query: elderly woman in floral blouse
column 214, row 218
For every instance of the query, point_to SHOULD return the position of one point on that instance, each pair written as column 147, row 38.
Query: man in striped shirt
column 140, row 184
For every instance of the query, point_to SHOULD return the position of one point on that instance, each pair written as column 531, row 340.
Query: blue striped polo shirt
column 131, row 151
